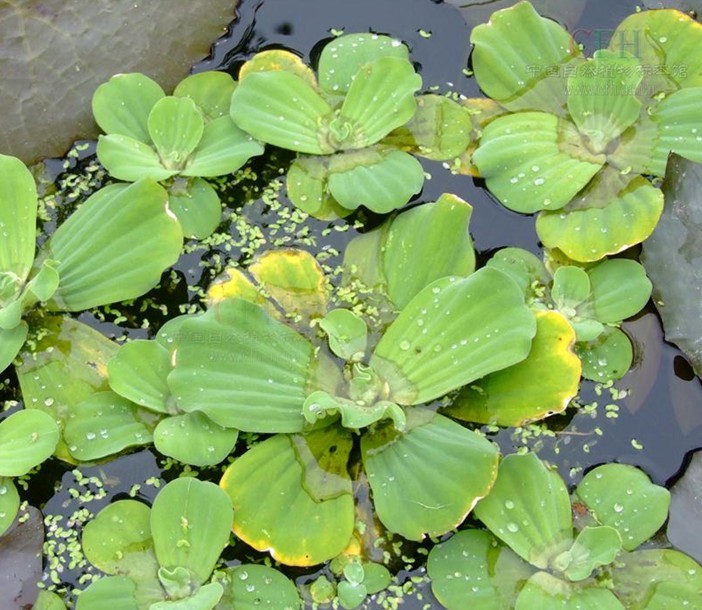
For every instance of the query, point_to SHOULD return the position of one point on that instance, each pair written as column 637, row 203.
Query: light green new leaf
column 526, row 269
column 601, row 98
column 409, row 264
column 128, row 159
column 242, row 368
column 602, row 222
column 624, row 498
column 571, row 287
column 43, row 285
column 620, row 289
column 27, row 438
column 114, row 247
column 510, row 397
column 381, row 181
column 138, row 373
column 255, row 586
column 546, row 592
column 440, row 129
column 409, row 498
column 122, row 105
column 175, row 126
column 211, row 91
column 9, row 504
column 380, row 99
column 594, row 547
column 223, row 149
column 118, row 540
column 472, row 569
column 205, row 598
column 283, row 517
column 197, row 207
column 190, row 525
column 454, row 332
column 347, row 333
column 528, row 508
column 114, row 592
column 282, row 109
column 528, row 165
column 319, row 405
column 48, row 600
column 104, row 424
column 192, row 438
column 343, row 57
column 11, row 342
column 513, row 55
column 637, row 578
column 608, row 357
column 678, row 122
column 18, row 217
column 307, row 188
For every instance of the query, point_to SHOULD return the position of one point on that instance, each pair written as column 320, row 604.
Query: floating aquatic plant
column 178, row 140
column 537, row 554
column 354, row 124
column 577, row 137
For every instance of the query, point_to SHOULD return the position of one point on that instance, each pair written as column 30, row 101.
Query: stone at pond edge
column 686, row 510
column 53, row 55
column 21, row 562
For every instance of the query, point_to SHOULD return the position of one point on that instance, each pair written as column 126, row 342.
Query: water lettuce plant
column 178, row 139
column 354, row 125
column 545, row 549
column 578, row 139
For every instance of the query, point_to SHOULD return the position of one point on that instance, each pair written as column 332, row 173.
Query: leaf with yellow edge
column 277, row 59
column 510, row 397
column 287, row 516
column 232, row 283
column 294, row 279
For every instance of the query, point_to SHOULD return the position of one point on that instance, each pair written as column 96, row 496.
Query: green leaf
column 282, row 517
column 546, row 592
column 47, row 600
column 678, row 126
column 138, row 373
column 175, row 126
column 594, row 547
column 27, row 438
column 472, row 568
column 440, row 129
column 67, row 365
column 44, row 284
column 115, row 592
column 307, row 188
column 671, row 257
column 190, row 525
column 9, row 503
column 252, row 586
column 242, row 368
column 197, row 207
column 601, row 98
column 409, row 264
column 376, row 577
column 118, row 540
column 512, row 54
column 624, row 498
column 620, row 289
column 104, row 424
column 18, row 217
column 128, row 159
column 223, row 149
column 278, row 59
column 637, row 577
column 281, row 108
column 192, row 438
column 343, row 57
column 454, row 332
column 211, row 91
column 410, row 499
column 601, row 221
column 351, row 595
column 674, row 595
column 528, row 509
column 607, row 358
column 510, row 397
column 523, row 267
column 114, row 247
column 347, row 333
column 205, row 598
column 531, row 162
column 11, row 342
column 381, row 181
column 571, row 287
column 380, row 99
column 121, row 106
column 319, row 405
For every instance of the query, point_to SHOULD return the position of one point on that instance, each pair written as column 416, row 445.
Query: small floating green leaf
column 27, row 438
column 9, row 503
column 175, row 125
column 253, row 586
column 347, row 333
column 606, row 358
column 546, row 592
column 211, row 91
